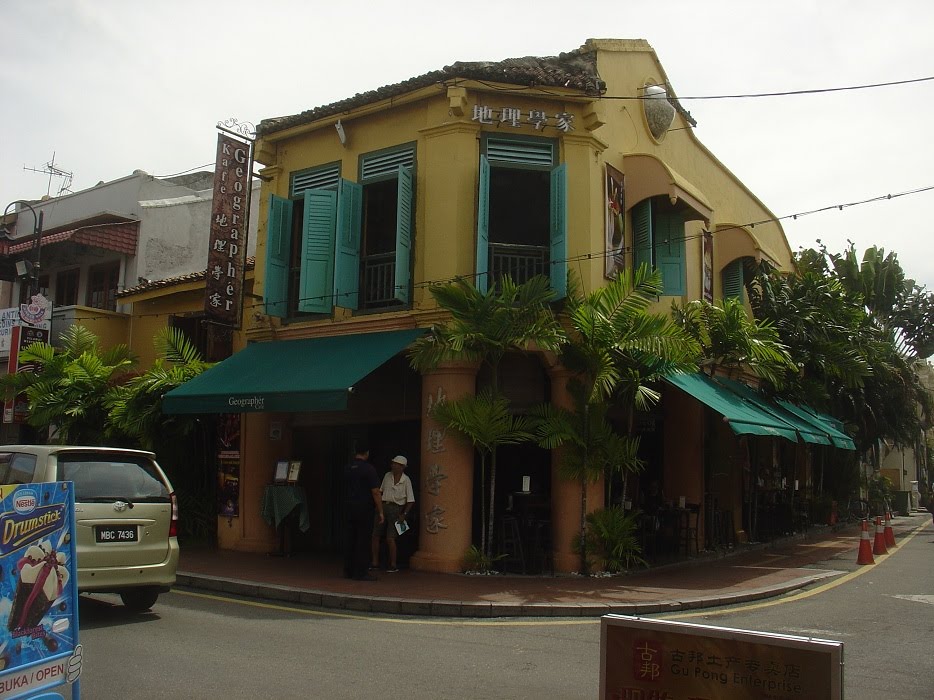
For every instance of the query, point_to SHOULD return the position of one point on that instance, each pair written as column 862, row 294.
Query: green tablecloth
column 279, row 500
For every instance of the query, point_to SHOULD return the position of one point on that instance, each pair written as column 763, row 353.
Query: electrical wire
column 185, row 172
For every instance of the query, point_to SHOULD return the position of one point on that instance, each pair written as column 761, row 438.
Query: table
column 281, row 501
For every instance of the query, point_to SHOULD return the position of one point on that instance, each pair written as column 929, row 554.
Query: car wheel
column 139, row 599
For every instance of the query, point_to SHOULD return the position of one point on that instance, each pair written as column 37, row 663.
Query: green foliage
column 881, row 491
column 613, row 539
column 478, row 562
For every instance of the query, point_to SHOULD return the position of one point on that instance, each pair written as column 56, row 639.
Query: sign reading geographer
column 39, row 646
column 664, row 660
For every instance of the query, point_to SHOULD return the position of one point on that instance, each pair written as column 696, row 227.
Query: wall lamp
column 29, row 268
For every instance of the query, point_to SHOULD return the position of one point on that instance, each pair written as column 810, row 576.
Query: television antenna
column 53, row 170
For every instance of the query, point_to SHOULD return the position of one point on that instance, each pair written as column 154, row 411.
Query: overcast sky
column 110, row 86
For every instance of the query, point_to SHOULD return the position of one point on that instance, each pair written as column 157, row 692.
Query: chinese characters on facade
column 517, row 118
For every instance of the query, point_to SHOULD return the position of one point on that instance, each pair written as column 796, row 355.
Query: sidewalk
column 752, row 573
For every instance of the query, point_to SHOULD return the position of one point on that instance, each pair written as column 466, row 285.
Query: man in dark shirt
column 362, row 496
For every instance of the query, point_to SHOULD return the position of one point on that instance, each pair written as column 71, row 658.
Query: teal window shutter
column 559, row 231
column 347, row 253
column 403, row 235
column 316, row 285
column 642, row 234
column 278, row 235
column 732, row 280
column 668, row 234
column 483, row 227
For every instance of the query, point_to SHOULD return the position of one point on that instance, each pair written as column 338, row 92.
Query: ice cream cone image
column 42, row 578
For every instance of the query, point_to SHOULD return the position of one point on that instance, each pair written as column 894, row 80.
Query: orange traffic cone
column 878, row 544
column 889, row 532
column 865, row 549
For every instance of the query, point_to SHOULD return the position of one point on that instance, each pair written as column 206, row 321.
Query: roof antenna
column 53, row 171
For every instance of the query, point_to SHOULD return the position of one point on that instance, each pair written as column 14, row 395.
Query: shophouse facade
column 585, row 162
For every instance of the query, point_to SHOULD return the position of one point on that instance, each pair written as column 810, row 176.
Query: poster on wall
column 615, row 252
column 707, row 262
column 39, row 647
column 228, row 465
column 16, row 409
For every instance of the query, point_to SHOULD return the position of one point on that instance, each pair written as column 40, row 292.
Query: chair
column 542, row 554
column 648, row 533
column 510, row 543
column 689, row 528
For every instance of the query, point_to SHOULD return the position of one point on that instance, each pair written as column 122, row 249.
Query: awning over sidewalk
column 829, row 424
column 313, row 374
column 744, row 418
column 808, row 431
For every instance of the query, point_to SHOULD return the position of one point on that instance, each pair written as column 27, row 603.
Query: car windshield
column 111, row 477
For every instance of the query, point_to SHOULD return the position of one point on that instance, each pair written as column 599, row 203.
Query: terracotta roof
column 249, row 264
column 119, row 237
column 576, row 70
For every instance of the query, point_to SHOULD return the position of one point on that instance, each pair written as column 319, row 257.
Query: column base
column 566, row 562
column 427, row 561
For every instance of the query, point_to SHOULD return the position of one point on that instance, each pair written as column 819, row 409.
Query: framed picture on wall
column 282, row 471
column 295, row 467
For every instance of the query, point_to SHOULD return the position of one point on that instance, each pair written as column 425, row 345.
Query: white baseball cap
column 399, row 459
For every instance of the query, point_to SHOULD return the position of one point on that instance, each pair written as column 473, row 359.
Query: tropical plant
column 614, row 348
column 67, row 391
column 483, row 327
column 478, row 562
column 135, row 407
column 613, row 539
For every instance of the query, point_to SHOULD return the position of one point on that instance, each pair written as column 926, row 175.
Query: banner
column 21, row 337
column 230, row 219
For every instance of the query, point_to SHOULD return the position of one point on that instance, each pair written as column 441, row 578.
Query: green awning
column 829, row 424
column 808, row 431
column 744, row 418
column 313, row 374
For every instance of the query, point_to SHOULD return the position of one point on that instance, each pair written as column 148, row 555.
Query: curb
column 457, row 609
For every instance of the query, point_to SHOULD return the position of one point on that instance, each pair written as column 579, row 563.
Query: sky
column 111, row 86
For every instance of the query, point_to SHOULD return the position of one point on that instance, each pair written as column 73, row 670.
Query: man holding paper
column 398, row 498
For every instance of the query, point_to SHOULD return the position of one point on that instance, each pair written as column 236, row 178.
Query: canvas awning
column 808, row 431
column 743, row 417
column 829, row 424
column 312, row 374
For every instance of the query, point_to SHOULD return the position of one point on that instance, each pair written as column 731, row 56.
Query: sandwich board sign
column 643, row 659
column 39, row 649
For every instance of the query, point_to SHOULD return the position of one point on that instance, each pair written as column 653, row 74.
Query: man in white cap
column 398, row 499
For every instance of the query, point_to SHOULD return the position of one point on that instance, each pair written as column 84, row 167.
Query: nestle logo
column 25, row 501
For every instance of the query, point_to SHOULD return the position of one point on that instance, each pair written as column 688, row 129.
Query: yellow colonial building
column 584, row 162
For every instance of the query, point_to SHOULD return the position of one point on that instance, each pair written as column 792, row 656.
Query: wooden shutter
column 668, row 235
column 483, row 227
column 347, row 253
column 383, row 165
column 732, row 280
column 532, row 152
column 642, row 234
column 278, row 236
column 316, row 285
column 559, row 231
column 403, row 235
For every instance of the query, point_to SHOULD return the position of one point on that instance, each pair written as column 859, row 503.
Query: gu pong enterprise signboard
column 662, row 660
column 39, row 647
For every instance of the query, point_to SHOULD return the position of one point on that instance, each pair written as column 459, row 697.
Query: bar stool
column 689, row 528
column 510, row 543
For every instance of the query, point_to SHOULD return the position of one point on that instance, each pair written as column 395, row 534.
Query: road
column 200, row 646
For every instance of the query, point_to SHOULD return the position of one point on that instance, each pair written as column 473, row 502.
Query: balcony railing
column 520, row 262
column 379, row 279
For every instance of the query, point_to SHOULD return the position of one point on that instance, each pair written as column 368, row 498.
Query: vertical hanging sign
column 229, row 227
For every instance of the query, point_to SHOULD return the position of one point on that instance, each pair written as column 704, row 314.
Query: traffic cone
column 878, row 544
column 889, row 532
column 865, row 549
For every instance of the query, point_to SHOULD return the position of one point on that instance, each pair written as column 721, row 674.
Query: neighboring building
column 585, row 161
column 99, row 242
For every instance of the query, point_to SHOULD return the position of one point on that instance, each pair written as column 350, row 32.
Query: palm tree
column 483, row 327
column 135, row 407
column 614, row 347
column 67, row 391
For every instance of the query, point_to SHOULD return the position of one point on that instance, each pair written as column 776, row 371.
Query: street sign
column 643, row 659
column 39, row 647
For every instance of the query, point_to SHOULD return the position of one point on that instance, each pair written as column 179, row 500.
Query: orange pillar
column 566, row 494
column 445, row 496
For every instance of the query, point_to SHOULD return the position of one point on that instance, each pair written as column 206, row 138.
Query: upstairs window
column 658, row 241
column 66, row 287
column 732, row 280
column 103, row 281
column 521, row 216
column 342, row 243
